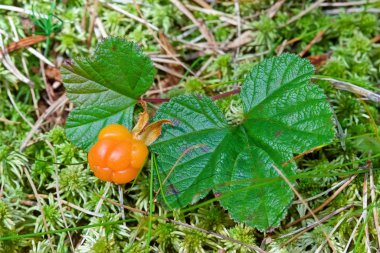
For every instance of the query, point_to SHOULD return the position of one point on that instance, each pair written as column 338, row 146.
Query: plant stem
column 216, row 97
column 151, row 206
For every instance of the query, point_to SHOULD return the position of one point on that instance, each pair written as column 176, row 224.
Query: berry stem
column 216, row 97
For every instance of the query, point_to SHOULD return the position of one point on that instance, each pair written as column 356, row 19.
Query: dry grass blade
column 58, row 103
column 202, row 27
column 228, row 18
column 24, row 63
column 131, row 16
column 306, row 11
column 121, row 200
column 373, row 199
column 350, row 3
column 281, row 47
column 352, row 10
column 323, row 193
column 353, row 234
column 158, row 40
column 327, row 201
column 8, row 64
column 203, row 4
column 59, row 200
column 342, row 85
column 34, row 189
column 20, row 10
column 25, row 42
column 238, row 19
column 305, row 204
column 168, row 70
column 9, row 122
column 16, row 107
column 365, row 212
column 97, row 208
column 275, row 8
column 81, row 209
column 303, row 230
column 319, row 249
column 100, row 26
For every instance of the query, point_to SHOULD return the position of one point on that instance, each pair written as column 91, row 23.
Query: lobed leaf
column 284, row 114
column 105, row 88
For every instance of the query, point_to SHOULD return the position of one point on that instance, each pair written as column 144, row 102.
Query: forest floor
column 202, row 47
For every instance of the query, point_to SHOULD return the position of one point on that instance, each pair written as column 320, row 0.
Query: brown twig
column 301, row 155
column 94, row 13
column 84, row 16
column 316, row 39
column 226, row 94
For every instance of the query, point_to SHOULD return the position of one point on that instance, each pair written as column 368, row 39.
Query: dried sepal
column 145, row 132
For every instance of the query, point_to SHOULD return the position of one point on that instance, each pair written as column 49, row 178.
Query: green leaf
column 199, row 129
column 105, row 88
column 282, row 108
column 284, row 114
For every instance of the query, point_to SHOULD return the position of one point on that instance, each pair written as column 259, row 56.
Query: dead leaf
column 25, row 42
column 318, row 60
column 148, row 133
column 152, row 131
column 142, row 121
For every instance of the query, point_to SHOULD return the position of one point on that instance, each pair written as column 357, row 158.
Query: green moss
column 352, row 56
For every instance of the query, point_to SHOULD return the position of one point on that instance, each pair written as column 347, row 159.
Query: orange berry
column 123, row 176
column 116, row 156
column 115, row 131
column 119, row 157
column 139, row 154
column 98, row 154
